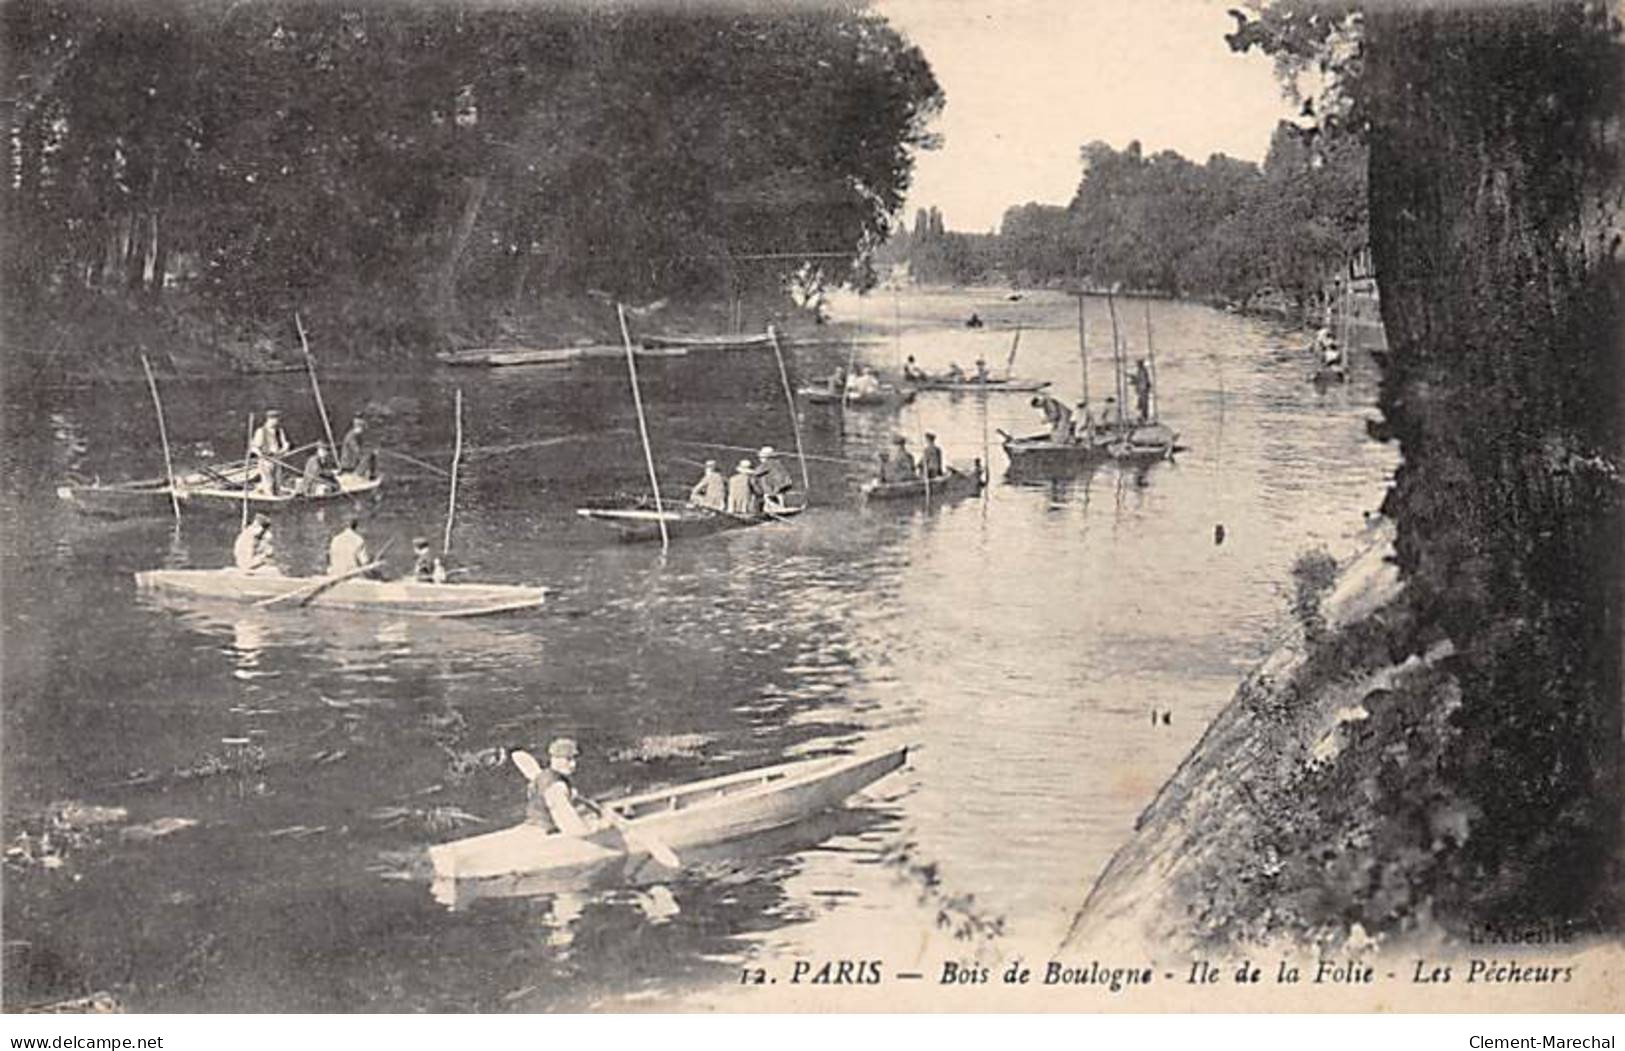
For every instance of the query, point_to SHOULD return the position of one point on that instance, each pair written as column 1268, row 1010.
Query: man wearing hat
column 354, row 457
column 711, row 491
column 773, row 479
column 253, row 552
column 899, row 466
column 426, row 568
column 741, row 490
column 269, row 445
column 321, row 473
column 931, row 457
column 550, row 799
column 1058, row 416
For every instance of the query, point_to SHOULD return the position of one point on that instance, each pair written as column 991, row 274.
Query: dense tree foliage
column 432, row 154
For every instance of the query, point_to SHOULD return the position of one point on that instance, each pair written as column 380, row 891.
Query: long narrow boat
column 1142, row 443
column 677, row 342
column 525, row 859
column 953, row 482
column 887, row 397
column 400, row 597
column 219, row 489
column 991, row 385
column 641, row 522
column 495, row 357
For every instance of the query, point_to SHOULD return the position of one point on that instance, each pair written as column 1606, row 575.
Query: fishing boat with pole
column 955, row 481
column 1133, row 441
column 526, row 859
column 408, row 598
column 222, row 488
column 656, row 516
column 886, row 397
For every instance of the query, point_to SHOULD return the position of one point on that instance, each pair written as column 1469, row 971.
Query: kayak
column 707, row 342
column 525, row 859
column 492, row 357
column 404, row 597
column 642, row 522
column 1146, row 442
column 211, row 488
column 887, row 397
column 992, row 385
column 952, row 483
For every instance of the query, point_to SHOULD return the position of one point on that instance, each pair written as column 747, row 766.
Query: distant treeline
column 1225, row 229
column 427, row 156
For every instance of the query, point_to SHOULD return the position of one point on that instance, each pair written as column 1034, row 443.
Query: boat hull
column 639, row 524
column 1141, row 444
column 524, row 859
column 399, row 597
column 222, row 491
column 889, row 398
column 953, row 483
column 992, row 386
column 706, row 342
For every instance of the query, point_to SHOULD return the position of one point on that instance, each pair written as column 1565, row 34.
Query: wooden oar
column 528, row 766
column 305, row 594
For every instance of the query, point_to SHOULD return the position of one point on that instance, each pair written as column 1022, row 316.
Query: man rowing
column 269, row 445
column 772, row 480
column 551, row 800
column 253, row 552
column 1057, row 415
column 321, row 473
column 711, row 491
column 347, row 552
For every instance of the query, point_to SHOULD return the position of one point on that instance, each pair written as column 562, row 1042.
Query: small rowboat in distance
column 676, row 342
column 991, row 385
column 410, row 598
column 639, row 521
column 524, row 859
column 888, row 397
column 954, row 482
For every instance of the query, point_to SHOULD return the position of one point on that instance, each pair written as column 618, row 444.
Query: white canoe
column 405, row 597
column 524, row 859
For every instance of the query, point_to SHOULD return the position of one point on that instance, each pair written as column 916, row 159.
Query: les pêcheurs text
column 1115, row 979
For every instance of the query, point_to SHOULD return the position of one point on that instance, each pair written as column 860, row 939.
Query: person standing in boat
column 1058, row 416
column 711, row 491
column 899, row 466
column 321, row 473
column 931, row 457
column 354, row 456
column 772, row 480
column 253, row 552
column 269, row 445
column 1142, row 389
column 347, row 551
column 741, row 491
column 551, row 800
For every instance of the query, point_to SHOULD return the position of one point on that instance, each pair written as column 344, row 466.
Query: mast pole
column 163, row 436
column 310, row 365
column 643, row 428
column 789, row 397
column 456, row 458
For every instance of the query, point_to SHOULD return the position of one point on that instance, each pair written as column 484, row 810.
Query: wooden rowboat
column 887, row 397
column 524, row 859
column 991, row 385
column 401, row 597
column 220, row 489
column 952, row 483
column 1142, row 443
column 641, row 522
column 707, row 342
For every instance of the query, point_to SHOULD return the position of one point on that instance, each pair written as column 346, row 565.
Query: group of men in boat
column 1077, row 426
column 269, row 449
column 751, row 491
column 863, row 382
column 899, row 464
column 914, row 374
column 347, row 553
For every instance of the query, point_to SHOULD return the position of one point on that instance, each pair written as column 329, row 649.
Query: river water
column 1022, row 639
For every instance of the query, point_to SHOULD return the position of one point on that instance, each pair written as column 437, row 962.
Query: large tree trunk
column 1494, row 227
column 446, row 284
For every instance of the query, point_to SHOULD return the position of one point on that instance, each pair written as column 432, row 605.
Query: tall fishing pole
column 1117, row 359
column 456, row 458
column 163, row 436
column 310, row 366
column 1083, row 348
column 1151, row 369
column 248, row 468
column 643, row 427
column 789, row 396
column 1010, row 362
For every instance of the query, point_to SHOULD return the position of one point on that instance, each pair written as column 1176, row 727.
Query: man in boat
column 912, row 372
column 955, row 373
column 354, row 457
column 1331, row 355
column 551, row 800
column 931, row 457
column 772, row 480
column 321, row 473
column 253, row 551
column 1142, row 389
column 1083, row 422
column 974, row 321
column 1058, row 416
column 981, row 370
column 269, row 445
column 711, row 491
column 426, row 568
column 347, row 551
column 863, row 384
column 837, row 381
column 741, row 491
column 899, row 466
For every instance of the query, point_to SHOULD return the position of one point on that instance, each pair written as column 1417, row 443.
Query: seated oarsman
column 772, row 480
column 742, row 491
column 426, row 568
column 551, row 800
column 253, row 551
column 321, row 473
column 931, row 457
column 911, row 371
column 711, row 491
column 354, row 457
column 347, row 552
column 899, row 466
column 981, row 370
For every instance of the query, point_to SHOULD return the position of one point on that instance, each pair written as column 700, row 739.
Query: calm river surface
column 1021, row 638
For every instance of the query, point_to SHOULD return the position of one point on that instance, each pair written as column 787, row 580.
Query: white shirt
column 347, row 551
column 248, row 552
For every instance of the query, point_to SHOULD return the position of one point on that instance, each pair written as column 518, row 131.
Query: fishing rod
column 747, row 449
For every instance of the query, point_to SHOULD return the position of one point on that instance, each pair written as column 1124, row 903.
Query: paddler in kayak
column 772, row 480
column 253, row 551
column 711, row 491
column 347, row 551
column 551, row 800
